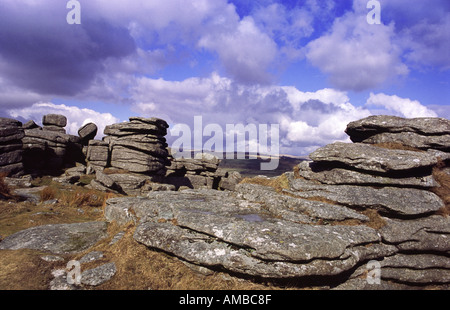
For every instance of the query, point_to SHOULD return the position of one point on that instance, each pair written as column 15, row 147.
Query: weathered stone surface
column 211, row 228
column 30, row 125
column 411, row 139
column 57, row 238
column 50, row 150
column 138, row 145
column 14, row 170
column 416, row 268
column 135, row 161
column 157, row 149
column 9, row 122
column 91, row 257
column 388, row 200
column 87, row 132
column 296, row 209
column 54, row 119
column 11, row 157
column 124, row 183
column 98, row 275
column 133, row 127
column 339, row 176
column 290, row 251
column 54, row 128
column 160, row 123
column 364, row 128
column 229, row 183
column 372, row 158
column 11, row 153
column 423, row 234
column 98, row 151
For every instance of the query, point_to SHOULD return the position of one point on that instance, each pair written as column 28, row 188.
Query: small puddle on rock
column 250, row 217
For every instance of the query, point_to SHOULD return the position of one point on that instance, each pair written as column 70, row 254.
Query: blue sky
column 311, row 66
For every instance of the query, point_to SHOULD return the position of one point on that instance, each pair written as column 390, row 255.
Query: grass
column 278, row 183
column 75, row 196
column 140, row 268
column 5, row 191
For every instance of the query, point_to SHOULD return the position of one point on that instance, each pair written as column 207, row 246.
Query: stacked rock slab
column 54, row 122
column 49, row 149
column 421, row 133
column 138, row 145
column 97, row 154
column 197, row 172
column 397, row 183
column 354, row 206
column 11, row 134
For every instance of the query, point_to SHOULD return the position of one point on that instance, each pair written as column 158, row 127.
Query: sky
column 310, row 66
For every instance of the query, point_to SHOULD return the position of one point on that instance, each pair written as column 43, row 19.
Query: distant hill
column 249, row 165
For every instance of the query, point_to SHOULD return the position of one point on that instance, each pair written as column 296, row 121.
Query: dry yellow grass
column 5, row 191
column 443, row 191
column 278, row 183
column 140, row 268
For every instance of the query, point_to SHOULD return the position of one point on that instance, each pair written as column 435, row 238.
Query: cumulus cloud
column 76, row 117
column 307, row 120
column 402, row 107
column 245, row 52
column 357, row 56
column 422, row 30
column 42, row 53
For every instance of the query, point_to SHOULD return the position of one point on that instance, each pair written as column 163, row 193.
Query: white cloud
column 356, row 55
column 245, row 52
column 423, row 30
column 402, row 107
column 307, row 119
column 76, row 117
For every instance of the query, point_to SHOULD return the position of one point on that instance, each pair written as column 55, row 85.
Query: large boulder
column 326, row 174
column 138, row 145
column 388, row 200
column 46, row 150
column 54, row 120
column 11, row 134
column 97, row 155
column 87, row 132
column 422, row 133
column 211, row 229
column 57, row 238
column 373, row 158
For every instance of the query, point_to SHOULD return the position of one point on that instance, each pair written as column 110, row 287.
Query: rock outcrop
column 11, row 153
column 352, row 205
column 49, row 149
column 197, row 172
column 138, row 145
column 57, row 238
column 421, row 133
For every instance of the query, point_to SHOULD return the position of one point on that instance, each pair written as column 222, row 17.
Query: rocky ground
column 373, row 214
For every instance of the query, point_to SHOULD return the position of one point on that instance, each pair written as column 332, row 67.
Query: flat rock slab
column 57, row 238
column 416, row 268
column 98, row 275
column 383, row 123
column 430, row 234
column 373, row 158
column 389, row 200
column 411, row 139
column 339, row 176
column 217, row 229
